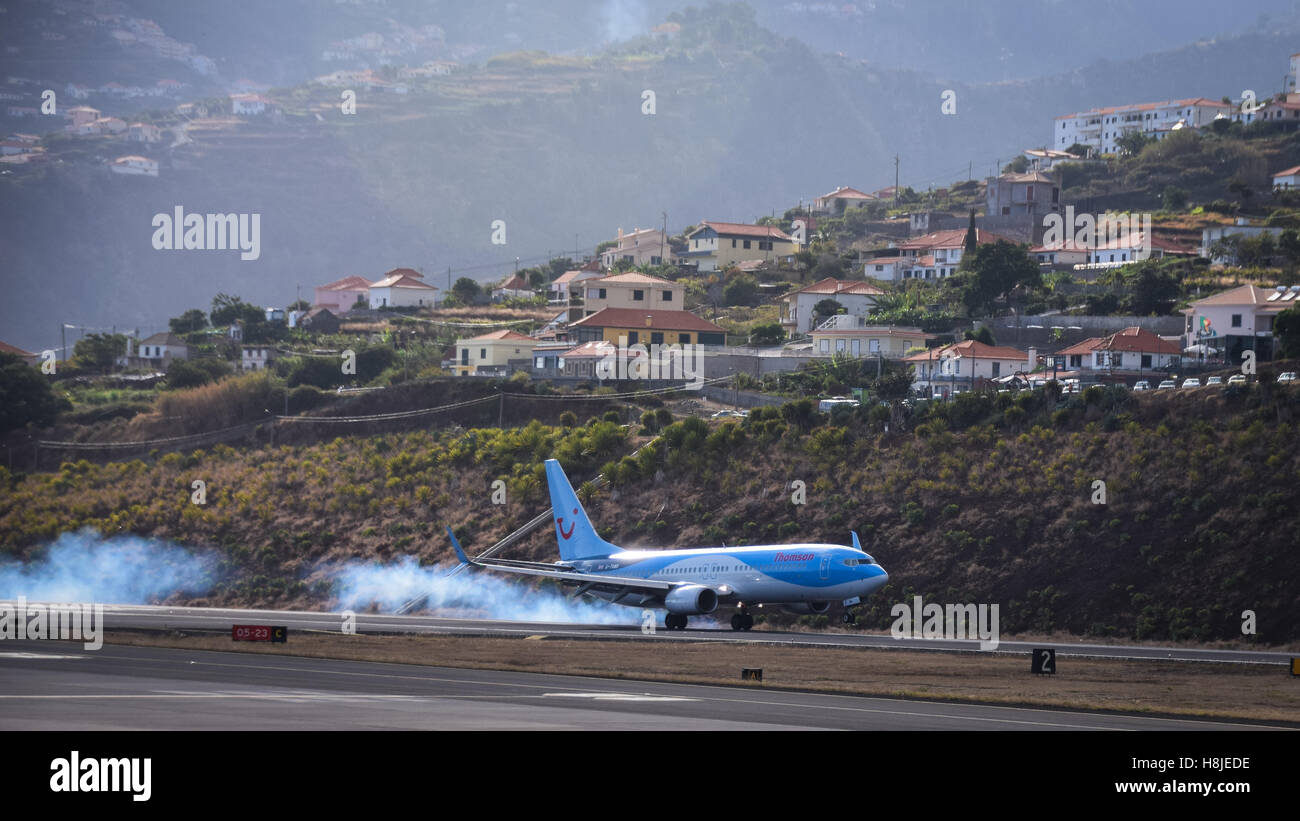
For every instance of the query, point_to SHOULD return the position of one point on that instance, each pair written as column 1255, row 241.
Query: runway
column 150, row 617
column 60, row 686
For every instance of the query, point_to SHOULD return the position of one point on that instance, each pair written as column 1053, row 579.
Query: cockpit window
column 852, row 562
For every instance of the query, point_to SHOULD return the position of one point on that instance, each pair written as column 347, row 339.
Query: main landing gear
column 742, row 621
column 674, row 621
column 850, row 617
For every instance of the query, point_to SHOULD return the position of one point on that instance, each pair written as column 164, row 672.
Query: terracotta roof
column 351, row 283
column 7, row 348
column 1029, row 176
column 1128, row 242
column 502, row 334
column 1133, row 338
column 950, row 238
column 1147, row 107
column 402, row 281
column 515, row 283
column 971, row 349
column 1085, row 347
column 873, row 330
column 570, row 276
column 410, row 272
column 1244, row 295
column 594, row 350
column 738, row 229
column 635, row 278
column 1288, row 172
column 844, row 192
column 631, row 318
column 831, row 285
column 164, row 338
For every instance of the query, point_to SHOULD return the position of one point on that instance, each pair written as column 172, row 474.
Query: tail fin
column 573, row 531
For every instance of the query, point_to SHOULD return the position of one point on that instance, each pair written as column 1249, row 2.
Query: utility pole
column 970, row 170
column 663, row 238
column 501, row 408
column 63, row 341
column 895, row 180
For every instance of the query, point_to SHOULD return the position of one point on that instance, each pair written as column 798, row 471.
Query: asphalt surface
column 149, row 617
column 49, row 686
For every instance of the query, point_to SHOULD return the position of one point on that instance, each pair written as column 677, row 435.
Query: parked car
column 1237, row 379
column 1287, row 376
column 1141, row 385
column 1214, row 380
column 1191, row 382
column 724, row 414
column 1168, row 383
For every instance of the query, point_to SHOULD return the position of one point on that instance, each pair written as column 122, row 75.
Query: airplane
column 800, row 578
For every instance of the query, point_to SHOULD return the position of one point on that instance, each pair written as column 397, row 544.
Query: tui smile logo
column 559, row 525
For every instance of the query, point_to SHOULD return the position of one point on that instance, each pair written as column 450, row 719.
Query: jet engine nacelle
column 691, row 599
column 807, row 608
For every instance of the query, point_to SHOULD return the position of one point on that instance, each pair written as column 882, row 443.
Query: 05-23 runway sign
column 258, row 632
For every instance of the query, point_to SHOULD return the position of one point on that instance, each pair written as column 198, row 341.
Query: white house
column 143, row 133
column 1290, row 178
column 1239, row 319
column 402, row 288
column 1241, row 228
column 159, row 350
column 840, row 200
column 932, row 256
column 957, row 367
column 514, row 287
column 642, row 246
column 132, row 164
column 857, row 297
column 566, row 284
column 1133, row 349
column 256, row 357
column 249, row 104
column 1101, row 128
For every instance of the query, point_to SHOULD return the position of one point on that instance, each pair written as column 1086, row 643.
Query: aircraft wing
column 586, row 581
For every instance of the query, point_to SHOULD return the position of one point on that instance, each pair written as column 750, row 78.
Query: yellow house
column 647, row 328
column 491, row 353
column 849, row 335
column 718, row 245
column 637, row 291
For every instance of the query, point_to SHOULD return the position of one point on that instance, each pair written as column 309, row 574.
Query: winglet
column 455, row 545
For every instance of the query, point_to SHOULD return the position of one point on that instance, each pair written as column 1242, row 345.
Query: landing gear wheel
column 850, row 618
column 748, row 622
column 737, row 622
column 675, row 621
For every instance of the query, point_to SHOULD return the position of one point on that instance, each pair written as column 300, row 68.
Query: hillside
column 985, row 499
column 747, row 123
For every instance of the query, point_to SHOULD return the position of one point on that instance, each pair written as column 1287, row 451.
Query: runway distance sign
column 1043, row 661
column 258, row 632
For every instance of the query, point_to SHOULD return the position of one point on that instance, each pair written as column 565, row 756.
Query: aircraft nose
column 878, row 579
